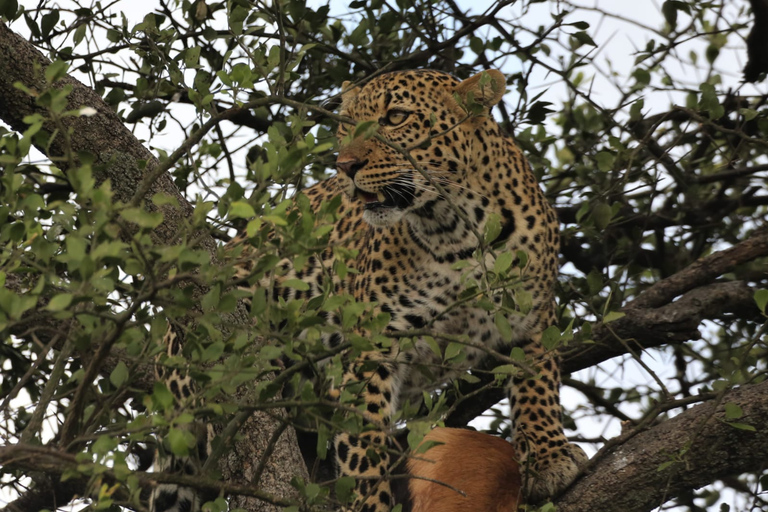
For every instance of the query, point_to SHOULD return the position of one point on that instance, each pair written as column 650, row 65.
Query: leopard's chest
column 427, row 296
column 405, row 281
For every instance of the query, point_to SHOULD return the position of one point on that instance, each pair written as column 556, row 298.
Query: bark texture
column 118, row 155
column 700, row 441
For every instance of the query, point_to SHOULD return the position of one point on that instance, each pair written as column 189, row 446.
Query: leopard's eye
column 395, row 117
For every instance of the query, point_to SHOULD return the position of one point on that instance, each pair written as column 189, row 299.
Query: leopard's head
column 416, row 136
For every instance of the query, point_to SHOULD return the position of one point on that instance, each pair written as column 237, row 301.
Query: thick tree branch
column 55, row 462
column 673, row 323
column 700, row 441
column 118, row 155
column 703, row 271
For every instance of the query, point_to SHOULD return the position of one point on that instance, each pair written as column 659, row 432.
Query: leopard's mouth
column 398, row 195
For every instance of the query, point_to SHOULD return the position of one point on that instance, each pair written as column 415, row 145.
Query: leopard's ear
column 487, row 91
column 349, row 92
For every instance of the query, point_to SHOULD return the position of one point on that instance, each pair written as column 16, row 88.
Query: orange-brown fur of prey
column 482, row 466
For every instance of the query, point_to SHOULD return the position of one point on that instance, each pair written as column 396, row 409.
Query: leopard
column 433, row 193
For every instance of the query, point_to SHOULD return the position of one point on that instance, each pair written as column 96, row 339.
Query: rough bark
column 702, row 271
column 704, row 446
column 118, row 155
column 122, row 159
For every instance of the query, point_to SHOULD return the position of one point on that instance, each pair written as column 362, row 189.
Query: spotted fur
column 417, row 197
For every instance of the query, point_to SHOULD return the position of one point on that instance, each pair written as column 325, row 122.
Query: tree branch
column 638, row 330
column 700, row 441
column 702, row 271
column 118, row 155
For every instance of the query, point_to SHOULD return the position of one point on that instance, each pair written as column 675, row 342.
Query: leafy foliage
column 654, row 155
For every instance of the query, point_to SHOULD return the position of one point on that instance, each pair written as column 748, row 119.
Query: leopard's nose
column 350, row 166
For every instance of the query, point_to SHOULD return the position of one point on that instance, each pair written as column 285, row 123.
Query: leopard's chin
column 382, row 216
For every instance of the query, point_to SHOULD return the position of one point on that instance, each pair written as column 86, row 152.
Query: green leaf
column 761, row 299
column 162, row 199
column 111, row 249
column 178, row 441
column 669, row 9
column 142, row 218
column 296, row 284
column 503, row 262
column 476, row 45
column 492, row 228
column 537, row 113
column 277, row 220
column 601, row 215
column 75, row 248
column 636, row 110
column 56, row 70
column 551, row 337
column 748, row 113
column 664, row 465
column 453, row 350
column 8, row 8
column 192, row 56
column 365, row 129
column 161, row 396
column 270, row 352
column 507, row 369
column 49, row 22
column 517, row 354
column 595, row 281
column 253, row 227
column 742, row 426
column 60, row 302
column 605, row 161
column 522, row 258
column 433, row 345
column 416, row 432
column 213, row 351
column 710, row 102
column 502, row 324
column 104, row 444
column 79, row 34
column 584, row 39
column 344, row 487
column 523, row 300
column 119, row 374
column 613, row 315
column 733, row 411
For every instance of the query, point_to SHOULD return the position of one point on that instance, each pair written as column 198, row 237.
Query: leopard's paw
column 555, row 472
